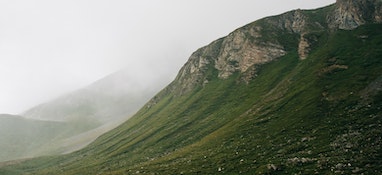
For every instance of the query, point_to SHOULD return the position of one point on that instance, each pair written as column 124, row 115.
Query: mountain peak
column 350, row 14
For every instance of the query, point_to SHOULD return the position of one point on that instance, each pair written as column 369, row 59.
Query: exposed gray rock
column 193, row 73
column 294, row 21
column 350, row 14
column 239, row 53
column 246, row 48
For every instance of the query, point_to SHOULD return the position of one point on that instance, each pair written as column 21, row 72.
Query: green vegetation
column 25, row 138
column 72, row 121
column 321, row 115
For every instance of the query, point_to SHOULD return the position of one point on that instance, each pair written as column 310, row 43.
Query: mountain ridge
column 298, row 22
column 350, row 14
column 101, row 102
column 313, row 109
column 77, row 118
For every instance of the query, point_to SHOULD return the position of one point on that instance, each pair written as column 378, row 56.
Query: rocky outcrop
column 349, row 14
column 239, row 52
column 193, row 73
column 262, row 41
column 299, row 23
column 294, row 21
column 303, row 47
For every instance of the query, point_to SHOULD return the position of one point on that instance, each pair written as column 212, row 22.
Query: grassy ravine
column 321, row 115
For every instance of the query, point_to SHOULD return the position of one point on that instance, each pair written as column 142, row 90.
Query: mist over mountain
column 112, row 98
column 72, row 121
column 296, row 93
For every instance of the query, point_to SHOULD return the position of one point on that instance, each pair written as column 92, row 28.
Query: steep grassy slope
column 319, row 115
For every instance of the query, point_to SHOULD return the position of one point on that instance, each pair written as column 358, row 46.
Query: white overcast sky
column 51, row 47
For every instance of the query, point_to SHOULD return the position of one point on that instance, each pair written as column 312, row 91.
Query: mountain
column 112, row 98
column 297, row 93
column 72, row 121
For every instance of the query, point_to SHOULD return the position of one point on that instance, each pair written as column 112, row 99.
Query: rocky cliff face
column 239, row 52
column 349, row 14
column 243, row 50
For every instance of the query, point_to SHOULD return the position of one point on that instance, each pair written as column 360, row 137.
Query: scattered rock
column 303, row 160
column 272, row 167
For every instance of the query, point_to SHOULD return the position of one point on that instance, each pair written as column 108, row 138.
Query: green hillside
column 24, row 138
column 320, row 115
column 72, row 121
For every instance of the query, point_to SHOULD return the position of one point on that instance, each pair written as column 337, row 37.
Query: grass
column 295, row 117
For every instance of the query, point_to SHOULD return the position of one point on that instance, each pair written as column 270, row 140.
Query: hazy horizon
column 50, row 48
